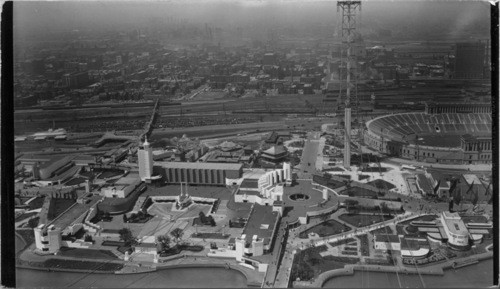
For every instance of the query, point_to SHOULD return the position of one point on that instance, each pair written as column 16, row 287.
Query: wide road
column 307, row 166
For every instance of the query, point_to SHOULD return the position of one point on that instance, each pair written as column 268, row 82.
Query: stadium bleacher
column 398, row 126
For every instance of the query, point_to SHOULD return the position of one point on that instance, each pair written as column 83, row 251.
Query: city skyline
column 272, row 144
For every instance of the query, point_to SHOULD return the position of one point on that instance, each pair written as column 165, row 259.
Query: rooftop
column 72, row 214
column 470, row 178
column 182, row 165
column 424, row 183
column 250, row 183
column 410, row 244
column 275, row 150
column 248, row 192
column 261, row 223
column 454, row 223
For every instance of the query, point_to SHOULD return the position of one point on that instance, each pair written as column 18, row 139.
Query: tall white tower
column 145, row 159
column 287, row 173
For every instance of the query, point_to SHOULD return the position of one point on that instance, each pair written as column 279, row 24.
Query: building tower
column 145, row 159
column 287, row 173
column 348, row 28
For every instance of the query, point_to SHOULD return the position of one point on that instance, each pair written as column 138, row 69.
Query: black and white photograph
column 253, row 143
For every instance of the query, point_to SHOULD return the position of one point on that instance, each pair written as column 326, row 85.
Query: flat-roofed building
column 259, row 232
column 122, row 187
column 199, row 173
column 387, row 242
column 456, row 231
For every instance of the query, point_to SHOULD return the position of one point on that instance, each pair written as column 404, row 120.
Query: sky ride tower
column 348, row 79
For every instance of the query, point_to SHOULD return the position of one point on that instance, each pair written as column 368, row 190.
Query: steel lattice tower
column 348, row 38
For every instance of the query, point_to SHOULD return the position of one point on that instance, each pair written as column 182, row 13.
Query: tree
column 202, row 217
column 325, row 217
column 33, row 222
column 211, row 221
column 177, row 234
column 164, row 242
column 126, row 236
column 88, row 238
column 351, row 204
column 384, row 207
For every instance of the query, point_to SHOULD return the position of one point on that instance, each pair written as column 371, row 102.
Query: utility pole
column 348, row 28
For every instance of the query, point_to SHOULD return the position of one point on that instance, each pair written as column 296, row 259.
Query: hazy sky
column 450, row 15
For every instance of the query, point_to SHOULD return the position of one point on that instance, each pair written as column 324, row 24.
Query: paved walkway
column 478, row 167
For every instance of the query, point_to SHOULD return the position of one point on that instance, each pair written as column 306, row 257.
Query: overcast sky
column 454, row 15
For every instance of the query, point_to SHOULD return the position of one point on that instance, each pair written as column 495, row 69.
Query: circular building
column 458, row 138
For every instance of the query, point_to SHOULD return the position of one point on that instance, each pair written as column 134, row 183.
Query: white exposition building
column 267, row 189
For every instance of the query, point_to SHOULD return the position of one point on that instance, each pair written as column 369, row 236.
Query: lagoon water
column 167, row 278
column 475, row 276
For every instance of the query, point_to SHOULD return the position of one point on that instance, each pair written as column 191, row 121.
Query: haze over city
column 272, row 144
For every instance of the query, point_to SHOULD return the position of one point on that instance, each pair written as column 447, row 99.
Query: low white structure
column 48, row 238
column 409, row 248
column 254, row 248
column 122, row 187
column 455, row 229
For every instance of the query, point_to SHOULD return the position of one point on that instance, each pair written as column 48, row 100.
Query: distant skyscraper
column 469, row 60
column 145, row 159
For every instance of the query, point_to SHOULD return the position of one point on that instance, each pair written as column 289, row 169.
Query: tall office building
column 469, row 60
column 145, row 159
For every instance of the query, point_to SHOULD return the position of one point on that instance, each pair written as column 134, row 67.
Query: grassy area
column 108, row 173
column 75, row 181
column 113, row 243
column 334, row 169
column 362, row 177
column 360, row 192
column 36, row 203
column 87, row 253
column 210, row 236
column 474, row 219
column 384, row 262
column 381, row 184
column 309, row 263
column 179, row 248
column 330, row 227
column 25, row 216
column 81, row 265
column 57, row 206
column 27, row 235
column 375, row 170
column 363, row 220
column 365, row 245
